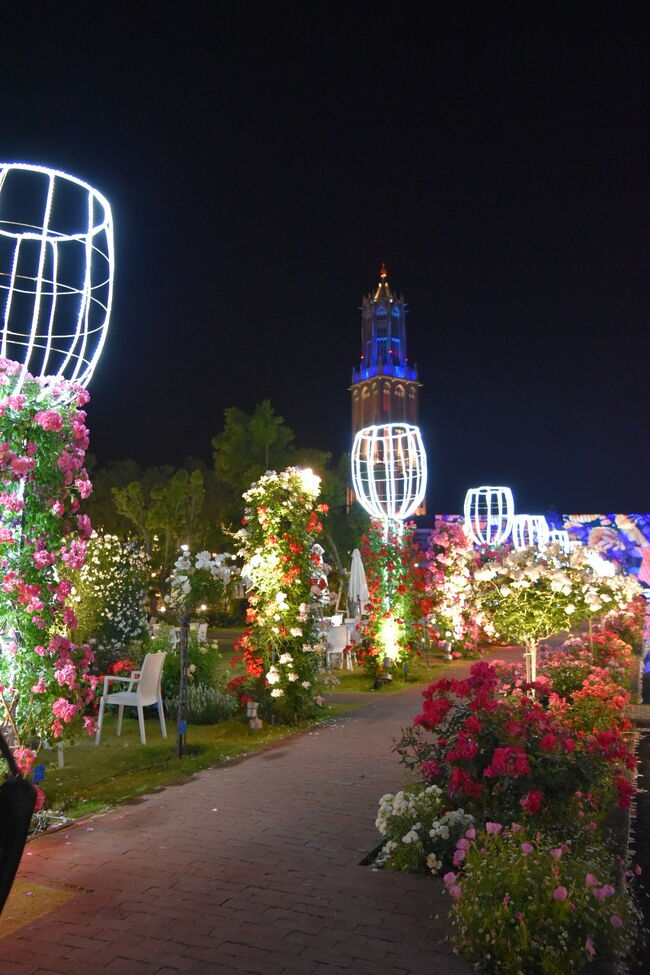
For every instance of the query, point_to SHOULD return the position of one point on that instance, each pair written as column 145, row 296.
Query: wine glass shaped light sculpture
column 530, row 530
column 389, row 470
column 560, row 536
column 56, row 273
column 489, row 512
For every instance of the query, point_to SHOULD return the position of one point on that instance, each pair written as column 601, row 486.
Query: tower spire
column 385, row 385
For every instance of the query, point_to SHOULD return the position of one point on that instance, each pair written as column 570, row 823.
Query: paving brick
column 270, row 884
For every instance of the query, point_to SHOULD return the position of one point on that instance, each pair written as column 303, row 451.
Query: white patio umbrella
column 358, row 587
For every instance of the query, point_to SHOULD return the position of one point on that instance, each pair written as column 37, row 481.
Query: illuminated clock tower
column 385, row 386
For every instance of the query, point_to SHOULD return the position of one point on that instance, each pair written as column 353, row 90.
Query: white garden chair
column 202, row 632
column 143, row 690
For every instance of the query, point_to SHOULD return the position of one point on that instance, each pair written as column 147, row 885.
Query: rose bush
column 523, row 903
column 108, row 595
column 531, row 594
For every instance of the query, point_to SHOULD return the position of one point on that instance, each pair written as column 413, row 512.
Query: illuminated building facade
column 384, row 386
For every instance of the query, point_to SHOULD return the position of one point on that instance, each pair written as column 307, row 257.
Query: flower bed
column 537, row 882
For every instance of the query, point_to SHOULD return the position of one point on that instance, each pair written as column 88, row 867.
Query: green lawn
column 357, row 682
column 121, row 769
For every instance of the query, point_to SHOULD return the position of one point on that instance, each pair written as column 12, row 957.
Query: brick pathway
column 253, row 866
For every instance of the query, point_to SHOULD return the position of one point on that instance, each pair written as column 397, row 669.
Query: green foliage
column 205, row 705
column 165, row 515
column 525, row 904
column 205, row 665
column 250, row 445
column 396, row 586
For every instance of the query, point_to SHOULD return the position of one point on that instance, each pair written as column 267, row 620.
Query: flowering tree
column 453, row 616
column 531, row 594
column 109, row 591
column 44, row 681
column 396, row 590
column 197, row 580
column 287, row 584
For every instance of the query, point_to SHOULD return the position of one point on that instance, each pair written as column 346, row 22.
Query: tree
column 250, row 445
column 529, row 595
column 165, row 517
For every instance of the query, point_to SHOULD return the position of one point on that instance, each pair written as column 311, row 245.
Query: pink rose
column 84, row 486
column 22, row 465
column 49, row 420
column 493, row 828
column 560, row 893
column 616, row 921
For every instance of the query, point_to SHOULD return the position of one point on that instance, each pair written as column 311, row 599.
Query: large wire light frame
column 560, row 536
column 389, row 470
column 529, row 531
column 56, row 272
column 489, row 512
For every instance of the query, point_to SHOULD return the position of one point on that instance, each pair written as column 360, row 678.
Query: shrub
column 109, row 594
column 523, row 903
column 499, row 754
column 205, row 665
column 421, row 830
column 205, row 705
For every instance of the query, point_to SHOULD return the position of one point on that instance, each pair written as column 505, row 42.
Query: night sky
column 262, row 160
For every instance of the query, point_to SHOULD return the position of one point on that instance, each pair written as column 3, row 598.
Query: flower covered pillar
column 286, row 579
column 44, row 680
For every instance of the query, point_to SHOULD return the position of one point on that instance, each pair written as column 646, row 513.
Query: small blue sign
column 39, row 773
column 182, row 727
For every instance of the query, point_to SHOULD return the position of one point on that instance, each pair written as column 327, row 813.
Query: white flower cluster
column 404, row 804
column 186, row 571
column 318, row 589
column 419, row 833
column 109, row 590
column 583, row 574
column 274, row 676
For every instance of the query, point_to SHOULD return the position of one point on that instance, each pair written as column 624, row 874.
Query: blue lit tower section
column 385, row 386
